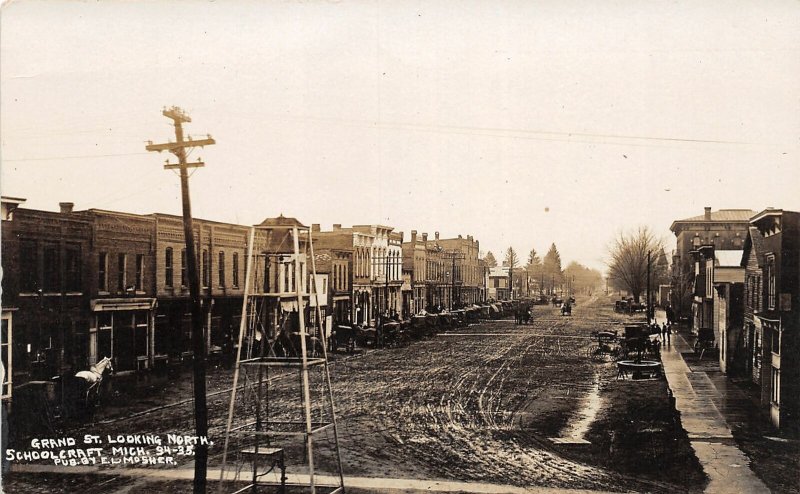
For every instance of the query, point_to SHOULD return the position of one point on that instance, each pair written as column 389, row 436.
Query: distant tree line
column 547, row 273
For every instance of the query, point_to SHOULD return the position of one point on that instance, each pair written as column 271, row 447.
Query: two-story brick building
column 725, row 229
column 415, row 264
column 467, row 280
column 357, row 246
column 437, row 273
column 386, row 277
column 45, row 291
column 221, row 256
column 121, row 271
column 82, row 285
column 335, row 260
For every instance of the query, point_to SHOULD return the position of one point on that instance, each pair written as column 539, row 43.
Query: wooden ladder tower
column 276, row 422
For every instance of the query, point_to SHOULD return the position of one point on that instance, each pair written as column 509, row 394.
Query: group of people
column 664, row 330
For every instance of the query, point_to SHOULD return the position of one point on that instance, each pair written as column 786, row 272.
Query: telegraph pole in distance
column 453, row 255
column 178, row 148
column 648, row 287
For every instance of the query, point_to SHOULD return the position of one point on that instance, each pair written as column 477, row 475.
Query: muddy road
column 481, row 403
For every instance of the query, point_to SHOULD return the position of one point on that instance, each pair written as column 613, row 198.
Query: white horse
column 90, row 395
column 95, row 373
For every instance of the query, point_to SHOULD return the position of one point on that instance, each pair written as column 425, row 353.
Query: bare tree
column 627, row 267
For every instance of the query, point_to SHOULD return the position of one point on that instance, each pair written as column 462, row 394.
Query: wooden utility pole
column 453, row 255
column 178, row 148
column 649, row 315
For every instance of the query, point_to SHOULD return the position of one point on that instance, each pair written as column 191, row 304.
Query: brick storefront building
column 415, row 263
column 45, row 292
column 467, row 277
column 725, row 229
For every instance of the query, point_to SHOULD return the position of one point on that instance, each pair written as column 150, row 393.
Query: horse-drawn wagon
column 65, row 397
column 344, row 336
column 705, row 341
column 395, row 334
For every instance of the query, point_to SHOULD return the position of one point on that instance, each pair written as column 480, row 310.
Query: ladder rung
column 262, row 451
column 282, row 362
column 287, row 430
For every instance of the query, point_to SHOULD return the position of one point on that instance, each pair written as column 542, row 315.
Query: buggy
column 705, row 341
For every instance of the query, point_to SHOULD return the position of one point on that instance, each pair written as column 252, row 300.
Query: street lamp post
column 649, row 309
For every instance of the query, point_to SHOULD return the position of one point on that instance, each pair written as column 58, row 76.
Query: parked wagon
column 607, row 345
column 459, row 317
column 473, row 314
column 446, row 321
column 418, row 327
column 705, row 341
column 639, row 339
column 344, row 337
column 394, row 334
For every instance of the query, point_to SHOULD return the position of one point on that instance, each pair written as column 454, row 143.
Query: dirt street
column 478, row 404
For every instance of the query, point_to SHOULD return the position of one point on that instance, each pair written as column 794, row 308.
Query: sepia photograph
column 400, row 247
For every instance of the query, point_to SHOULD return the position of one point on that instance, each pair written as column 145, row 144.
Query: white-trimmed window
column 102, row 271
column 235, row 269
column 184, row 276
column 139, row 286
column 776, row 386
column 206, row 269
column 122, row 264
column 168, row 267
column 221, row 269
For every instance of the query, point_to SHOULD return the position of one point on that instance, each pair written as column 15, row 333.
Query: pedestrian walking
column 669, row 330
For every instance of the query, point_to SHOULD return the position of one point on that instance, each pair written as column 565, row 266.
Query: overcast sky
column 521, row 123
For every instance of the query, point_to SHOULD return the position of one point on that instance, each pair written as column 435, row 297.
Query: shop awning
column 115, row 304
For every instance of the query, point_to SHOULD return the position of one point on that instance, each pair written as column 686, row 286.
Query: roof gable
column 753, row 247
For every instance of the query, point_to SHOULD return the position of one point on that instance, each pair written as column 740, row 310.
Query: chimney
column 424, row 237
column 337, row 227
column 708, row 214
column 459, row 236
column 66, row 207
column 436, row 235
column 315, row 227
column 413, row 237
